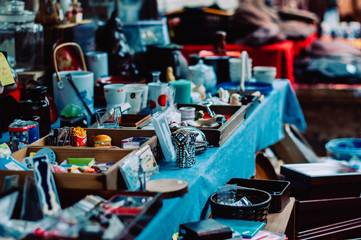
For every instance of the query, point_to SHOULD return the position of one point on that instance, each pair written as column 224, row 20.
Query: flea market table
column 234, row 159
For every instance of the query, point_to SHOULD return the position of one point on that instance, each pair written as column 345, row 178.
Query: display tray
column 117, row 135
column 106, row 180
column 320, row 212
column 235, row 116
column 134, row 120
column 133, row 225
column 279, row 190
column 322, row 180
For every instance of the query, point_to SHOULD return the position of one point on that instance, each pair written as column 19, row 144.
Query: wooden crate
column 107, row 180
column 217, row 136
column 117, row 135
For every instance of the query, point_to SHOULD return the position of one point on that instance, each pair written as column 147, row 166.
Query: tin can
column 33, row 131
column 19, row 135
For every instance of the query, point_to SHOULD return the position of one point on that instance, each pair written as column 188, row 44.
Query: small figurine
column 223, row 95
column 112, row 40
column 170, row 76
column 49, row 13
column 75, row 13
column 235, row 99
column 184, row 142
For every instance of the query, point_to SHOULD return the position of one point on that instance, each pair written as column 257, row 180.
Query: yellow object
column 170, row 76
column 6, row 77
column 175, row 236
column 102, row 141
column 78, row 131
column 32, row 154
column 73, row 168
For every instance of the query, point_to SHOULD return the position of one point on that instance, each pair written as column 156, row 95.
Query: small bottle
column 36, row 108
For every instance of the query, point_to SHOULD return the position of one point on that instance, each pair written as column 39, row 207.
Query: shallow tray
column 279, row 190
column 217, row 136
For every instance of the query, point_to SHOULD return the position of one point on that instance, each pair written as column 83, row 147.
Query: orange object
column 102, row 141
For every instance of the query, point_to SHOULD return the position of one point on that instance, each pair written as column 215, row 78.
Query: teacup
column 264, row 74
column 114, row 94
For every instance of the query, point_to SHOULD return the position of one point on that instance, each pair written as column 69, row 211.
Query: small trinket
column 184, row 142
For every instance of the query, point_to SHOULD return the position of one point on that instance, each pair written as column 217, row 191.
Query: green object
column 71, row 111
column 81, row 161
column 182, row 90
column 244, row 227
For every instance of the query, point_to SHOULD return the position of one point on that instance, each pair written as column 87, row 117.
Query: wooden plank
column 277, row 222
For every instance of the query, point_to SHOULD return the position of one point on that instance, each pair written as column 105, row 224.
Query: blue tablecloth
column 234, row 159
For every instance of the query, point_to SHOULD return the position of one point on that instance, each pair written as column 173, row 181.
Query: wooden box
column 107, row 180
column 279, row 190
column 320, row 212
column 322, row 180
column 217, row 136
column 117, row 135
column 133, row 224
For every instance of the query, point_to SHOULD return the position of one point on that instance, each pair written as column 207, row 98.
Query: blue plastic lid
column 344, row 145
column 263, row 88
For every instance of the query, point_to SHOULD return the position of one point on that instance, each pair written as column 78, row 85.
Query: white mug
column 97, row 62
column 133, row 96
column 145, row 89
column 114, row 94
column 159, row 93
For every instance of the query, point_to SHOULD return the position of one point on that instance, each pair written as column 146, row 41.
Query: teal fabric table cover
column 234, row 159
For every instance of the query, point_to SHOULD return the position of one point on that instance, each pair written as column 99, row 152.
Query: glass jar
column 36, row 108
column 20, row 36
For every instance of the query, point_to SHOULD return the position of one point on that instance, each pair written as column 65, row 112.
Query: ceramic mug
column 133, row 96
column 159, row 94
column 114, row 94
column 97, row 62
column 145, row 89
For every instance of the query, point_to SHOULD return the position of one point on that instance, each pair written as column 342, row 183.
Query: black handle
column 70, row 79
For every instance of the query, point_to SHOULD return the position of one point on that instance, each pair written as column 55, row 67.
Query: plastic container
column 344, row 149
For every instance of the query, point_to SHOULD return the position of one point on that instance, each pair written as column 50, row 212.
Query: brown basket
column 258, row 211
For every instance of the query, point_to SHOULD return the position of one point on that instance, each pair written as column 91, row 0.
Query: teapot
column 202, row 74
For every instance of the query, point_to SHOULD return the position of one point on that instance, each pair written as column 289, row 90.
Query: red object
column 80, row 141
column 68, row 58
column 300, row 45
column 162, row 100
column 16, row 94
column 153, row 105
column 206, row 53
column 54, row 115
column 279, row 55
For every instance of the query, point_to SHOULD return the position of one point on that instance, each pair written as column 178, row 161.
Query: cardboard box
column 107, row 180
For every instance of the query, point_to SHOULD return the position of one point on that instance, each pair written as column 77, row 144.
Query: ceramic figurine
column 235, row 99
column 49, row 13
column 111, row 39
column 184, row 143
